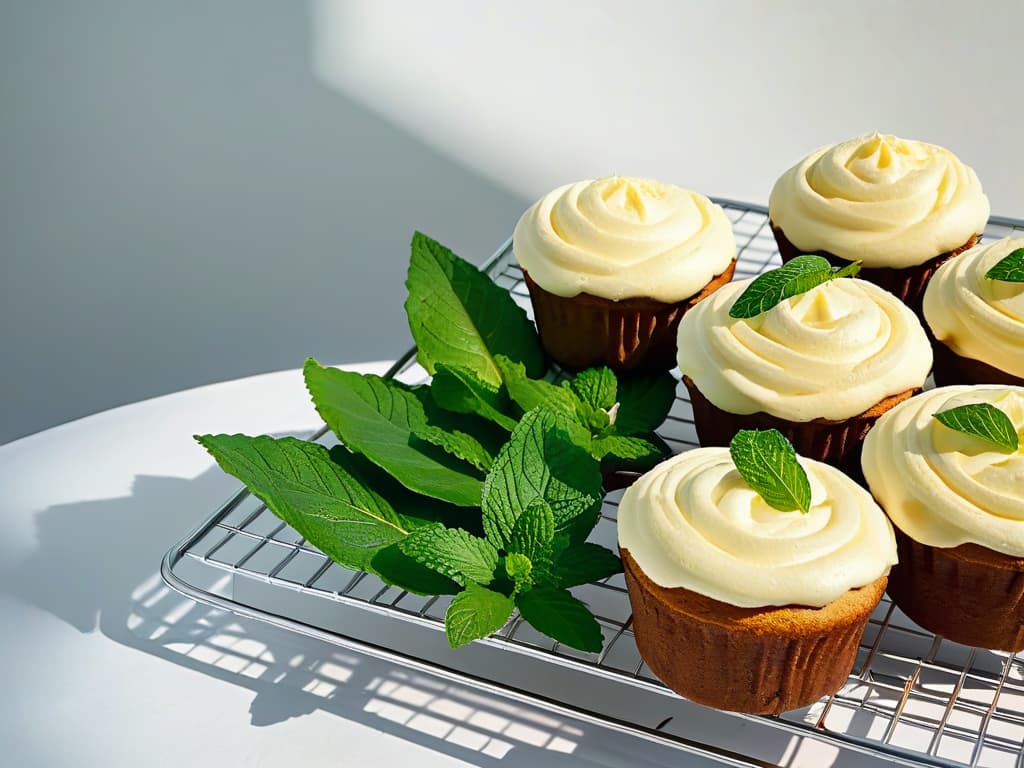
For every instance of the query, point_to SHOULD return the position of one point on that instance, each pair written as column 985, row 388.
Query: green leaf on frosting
column 768, row 463
column 791, row 279
column 984, row 421
column 1009, row 269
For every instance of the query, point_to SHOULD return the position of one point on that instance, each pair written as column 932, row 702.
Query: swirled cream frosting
column 693, row 522
column 976, row 317
column 832, row 352
column 887, row 201
column 621, row 238
column 944, row 488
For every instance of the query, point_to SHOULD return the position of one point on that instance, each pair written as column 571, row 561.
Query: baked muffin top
column 694, row 522
column 944, row 488
column 886, row 201
column 622, row 237
column 832, row 352
column 977, row 317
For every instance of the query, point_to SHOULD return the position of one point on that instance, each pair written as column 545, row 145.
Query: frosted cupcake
column 613, row 264
column 977, row 321
column 957, row 502
column 737, row 605
column 900, row 207
column 820, row 366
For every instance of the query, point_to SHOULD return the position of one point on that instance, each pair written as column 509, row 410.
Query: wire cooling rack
column 912, row 697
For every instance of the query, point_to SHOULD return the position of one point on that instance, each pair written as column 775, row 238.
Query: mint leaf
column 399, row 570
column 475, row 613
column 597, row 387
column 460, row 390
column 558, row 614
column 456, row 442
column 533, row 532
column 459, row 317
column 530, row 393
column 1009, row 269
column 644, row 402
column 768, row 463
column 984, row 421
column 452, row 552
column 520, row 570
column 585, row 563
column 635, row 451
column 379, row 418
column 791, row 279
column 322, row 495
column 541, row 463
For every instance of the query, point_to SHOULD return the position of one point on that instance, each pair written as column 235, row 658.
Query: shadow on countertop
column 95, row 568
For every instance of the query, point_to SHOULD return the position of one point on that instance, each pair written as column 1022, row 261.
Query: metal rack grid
column 915, row 698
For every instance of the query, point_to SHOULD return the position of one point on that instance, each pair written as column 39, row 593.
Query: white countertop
column 107, row 666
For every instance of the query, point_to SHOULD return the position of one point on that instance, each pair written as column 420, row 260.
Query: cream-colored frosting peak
column 693, row 522
column 976, row 317
column 887, row 201
column 944, row 488
column 832, row 352
column 621, row 238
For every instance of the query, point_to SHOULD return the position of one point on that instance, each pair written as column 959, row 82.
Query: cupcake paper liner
column 755, row 660
column 968, row 594
column 834, row 442
column 907, row 283
column 951, row 368
column 635, row 334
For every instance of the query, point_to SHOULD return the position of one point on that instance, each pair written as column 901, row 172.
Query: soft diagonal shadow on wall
column 183, row 202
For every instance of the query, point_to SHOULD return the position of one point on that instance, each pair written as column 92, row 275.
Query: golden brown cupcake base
column 968, row 594
column 951, row 368
column 834, row 442
column 907, row 283
column 756, row 660
column 628, row 335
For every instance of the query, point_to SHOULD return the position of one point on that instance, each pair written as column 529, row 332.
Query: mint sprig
column 612, row 420
column 1009, row 269
column 768, row 463
column 484, row 484
column 984, row 421
column 791, row 279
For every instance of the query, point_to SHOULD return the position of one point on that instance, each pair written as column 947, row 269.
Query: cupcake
column 900, row 207
column 820, row 366
column 737, row 605
column 977, row 323
column 957, row 503
column 613, row 264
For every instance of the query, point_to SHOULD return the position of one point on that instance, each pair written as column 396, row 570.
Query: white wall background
column 195, row 191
